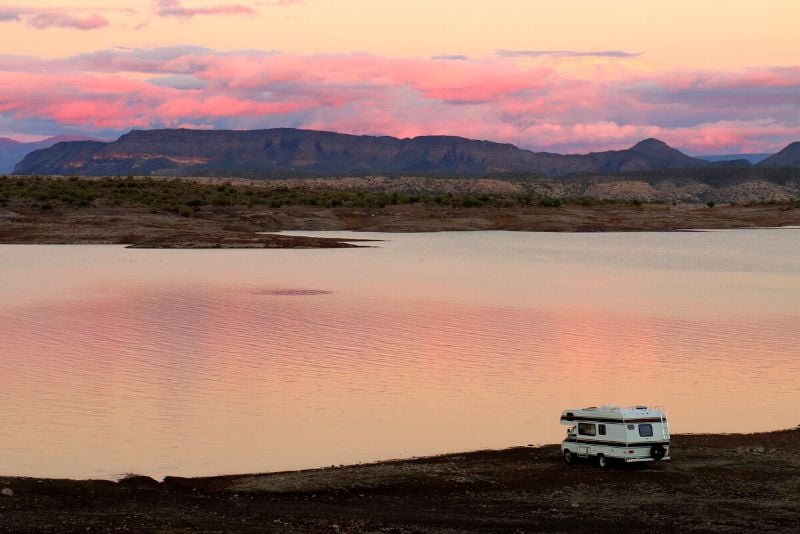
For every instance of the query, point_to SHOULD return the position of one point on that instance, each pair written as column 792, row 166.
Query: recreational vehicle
column 635, row 434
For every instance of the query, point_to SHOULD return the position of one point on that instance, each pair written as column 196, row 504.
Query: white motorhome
column 635, row 434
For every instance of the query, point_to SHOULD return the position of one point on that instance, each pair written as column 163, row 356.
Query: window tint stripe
column 620, row 420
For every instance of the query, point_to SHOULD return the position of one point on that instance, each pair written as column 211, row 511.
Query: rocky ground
column 239, row 226
column 714, row 483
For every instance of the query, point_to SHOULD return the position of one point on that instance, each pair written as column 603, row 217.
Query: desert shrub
column 469, row 201
column 550, row 202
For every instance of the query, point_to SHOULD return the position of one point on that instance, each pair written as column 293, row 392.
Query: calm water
column 203, row 362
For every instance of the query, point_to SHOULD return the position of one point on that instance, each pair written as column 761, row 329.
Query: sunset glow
column 569, row 77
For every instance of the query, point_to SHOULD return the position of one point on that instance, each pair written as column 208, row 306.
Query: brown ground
column 714, row 483
column 237, row 227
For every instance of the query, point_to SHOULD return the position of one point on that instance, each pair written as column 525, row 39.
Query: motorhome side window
column 646, row 431
column 601, row 429
column 587, row 429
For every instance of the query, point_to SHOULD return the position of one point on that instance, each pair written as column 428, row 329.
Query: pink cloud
column 9, row 14
column 537, row 105
column 174, row 8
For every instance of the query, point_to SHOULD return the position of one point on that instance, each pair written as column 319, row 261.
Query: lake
column 201, row 362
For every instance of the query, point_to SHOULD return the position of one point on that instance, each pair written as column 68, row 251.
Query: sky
column 706, row 76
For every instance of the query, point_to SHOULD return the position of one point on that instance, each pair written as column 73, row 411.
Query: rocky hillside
column 690, row 186
column 285, row 150
column 11, row 151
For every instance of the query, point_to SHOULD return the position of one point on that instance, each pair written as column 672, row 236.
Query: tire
column 657, row 452
column 569, row 458
column 602, row 461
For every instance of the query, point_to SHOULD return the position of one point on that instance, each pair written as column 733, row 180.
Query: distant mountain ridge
column 750, row 158
column 11, row 151
column 789, row 156
column 183, row 152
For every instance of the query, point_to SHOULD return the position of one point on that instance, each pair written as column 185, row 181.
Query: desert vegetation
column 186, row 197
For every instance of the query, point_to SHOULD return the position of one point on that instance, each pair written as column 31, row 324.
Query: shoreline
column 714, row 483
column 255, row 226
column 190, row 213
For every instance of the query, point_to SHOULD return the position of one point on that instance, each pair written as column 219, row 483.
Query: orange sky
column 572, row 75
column 707, row 33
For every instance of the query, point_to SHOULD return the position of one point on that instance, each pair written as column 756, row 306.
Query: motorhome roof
column 613, row 413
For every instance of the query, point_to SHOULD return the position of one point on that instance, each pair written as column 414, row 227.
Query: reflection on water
column 202, row 362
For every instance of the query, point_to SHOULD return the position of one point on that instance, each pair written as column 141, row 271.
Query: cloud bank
column 566, row 53
column 558, row 103
column 175, row 8
column 43, row 18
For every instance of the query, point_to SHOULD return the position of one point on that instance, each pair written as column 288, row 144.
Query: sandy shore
column 239, row 226
column 714, row 483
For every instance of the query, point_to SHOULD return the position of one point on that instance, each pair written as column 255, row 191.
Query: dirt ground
column 238, row 227
column 714, row 483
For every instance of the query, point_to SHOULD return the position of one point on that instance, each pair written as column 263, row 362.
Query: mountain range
column 183, row 152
